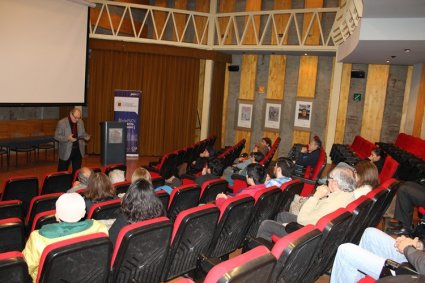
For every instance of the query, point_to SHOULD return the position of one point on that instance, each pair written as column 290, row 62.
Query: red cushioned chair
column 182, row 198
column 157, row 181
column 39, row 204
column 359, row 209
column 12, row 235
column 253, row 266
column 294, row 253
column 121, row 187
column 22, row 188
column 85, row 259
column 210, row 189
column 192, row 233
column 289, row 190
column 43, row 218
column 13, row 268
column 164, row 167
column 11, row 209
column 140, row 251
column 56, row 182
column 116, row 166
column 105, row 210
column 312, row 175
column 378, row 209
column 164, row 197
column 388, row 170
column 269, row 156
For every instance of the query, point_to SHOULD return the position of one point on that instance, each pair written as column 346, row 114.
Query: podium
column 113, row 136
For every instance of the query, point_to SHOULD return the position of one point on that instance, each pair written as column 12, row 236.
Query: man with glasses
column 72, row 137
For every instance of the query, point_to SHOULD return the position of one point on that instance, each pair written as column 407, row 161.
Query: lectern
column 113, row 137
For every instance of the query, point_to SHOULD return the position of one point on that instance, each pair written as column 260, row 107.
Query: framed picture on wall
column 272, row 115
column 245, row 111
column 303, row 110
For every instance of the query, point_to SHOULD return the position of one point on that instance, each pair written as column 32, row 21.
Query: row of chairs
column 359, row 149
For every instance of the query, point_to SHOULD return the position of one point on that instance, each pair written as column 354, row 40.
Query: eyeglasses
column 327, row 180
column 76, row 118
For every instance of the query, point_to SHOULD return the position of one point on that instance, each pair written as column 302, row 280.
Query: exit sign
column 357, row 97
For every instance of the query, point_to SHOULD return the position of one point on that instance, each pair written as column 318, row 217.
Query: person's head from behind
column 284, row 167
column 267, row 142
column 314, row 144
column 100, row 187
column 376, row 155
column 141, row 173
column 70, row 208
column 342, row 179
column 140, row 202
column 117, row 176
column 263, row 149
column 256, row 156
column 366, row 174
column 215, row 167
column 84, row 175
column 255, row 174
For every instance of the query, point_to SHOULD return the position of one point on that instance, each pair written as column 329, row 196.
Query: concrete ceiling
column 388, row 28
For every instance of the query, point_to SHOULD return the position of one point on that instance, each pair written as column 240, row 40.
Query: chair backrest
column 56, row 182
column 253, row 266
column 116, row 166
column 121, row 187
column 389, row 169
column 294, row 253
column 43, row 218
column 85, row 258
column 210, row 189
column 39, row 204
column 105, row 209
column 13, row 268
column 167, row 166
column 266, row 201
column 182, row 198
column 157, row 181
column 392, row 186
column 22, row 188
column 289, row 190
column 164, row 197
column 141, row 250
column 11, row 209
column 235, row 215
column 12, row 235
column 192, row 234
column 333, row 227
column 359, row 210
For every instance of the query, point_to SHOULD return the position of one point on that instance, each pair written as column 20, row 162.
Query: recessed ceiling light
column 407, row 50
column 387, row 61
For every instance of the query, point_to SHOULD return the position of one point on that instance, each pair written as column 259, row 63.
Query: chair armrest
column 251, row 243
column 304, row 180
column 292, row 227
column 399, row 268
column 188, row 176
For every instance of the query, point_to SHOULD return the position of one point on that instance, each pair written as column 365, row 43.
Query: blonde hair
column 139, row 174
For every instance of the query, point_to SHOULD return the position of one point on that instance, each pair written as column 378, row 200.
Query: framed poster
column 272, row 115
column 245, row 111
column 303, row 110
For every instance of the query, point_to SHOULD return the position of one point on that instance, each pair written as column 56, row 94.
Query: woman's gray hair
column 345, row 179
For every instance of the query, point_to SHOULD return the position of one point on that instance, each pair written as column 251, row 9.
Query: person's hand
column 402, row 242
column 71, row 138
column 304, row 149
column 204, row 171
column 221, row 195
column 76, row 183
column 87, row 137
column 193, row 162
column 321, row 192
column 268, row 178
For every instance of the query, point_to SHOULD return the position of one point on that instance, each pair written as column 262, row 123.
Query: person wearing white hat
column 70, row 209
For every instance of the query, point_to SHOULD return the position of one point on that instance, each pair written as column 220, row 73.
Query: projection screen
column 43, row 51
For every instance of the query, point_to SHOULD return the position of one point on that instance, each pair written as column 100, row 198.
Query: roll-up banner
column 126, row 109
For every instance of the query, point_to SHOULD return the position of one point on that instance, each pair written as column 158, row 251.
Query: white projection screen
column 43, row 50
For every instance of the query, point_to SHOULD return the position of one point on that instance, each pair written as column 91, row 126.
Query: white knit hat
column 70, row 207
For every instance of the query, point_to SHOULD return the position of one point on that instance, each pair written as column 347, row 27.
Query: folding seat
column 266, row 201
column 43, row 218
column 192, row 233
column 140, row 251
column 11, row 209
column 121, row 187
column 288, row 191
column 255, row 265
column 21, row 188
column 182, row 198
column 85, row 258
column 210, row 189
column 359, row 210
column 294, row 253
column 105, row 210
column 235, row 215
column 164, row 197
column 13, row 268
column 56, row 182
column 333, row 227
column 117, row 166
column 40, row 204
column 388, row 170
column 12, row 235
column 94, row 169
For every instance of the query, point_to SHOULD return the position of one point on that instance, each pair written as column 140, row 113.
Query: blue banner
column 126, row 109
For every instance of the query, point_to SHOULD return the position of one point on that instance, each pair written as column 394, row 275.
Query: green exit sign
column 357, row 97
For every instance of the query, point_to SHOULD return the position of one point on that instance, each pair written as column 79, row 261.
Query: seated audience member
column 377, row 156
column 83, row 180
column 211, row 171
column 409, row 195
column 139, row 203
column 309, row 154
column 255, row 177
column 70, row 209
column 267, row 142
column 117, row 176
column 352, row 262
column 282, row 171
column 326, row 199
column 366, row 178
column 99, row 189
column 241, row 168
column 143, row 174
column 200, row 162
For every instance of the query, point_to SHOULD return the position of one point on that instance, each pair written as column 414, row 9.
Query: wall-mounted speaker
column 233, row 68
column 358, row 74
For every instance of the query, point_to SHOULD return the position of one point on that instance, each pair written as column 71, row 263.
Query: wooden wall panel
column 225, row 102
column 159, row 17
column 307, row 76
column 300, row 136
column 180, row 19
column 201, row 6
column 27, row 128
column 373, row 111
column 226, row 6
column 241, row 134
column 419, row 114
column 343, row 103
